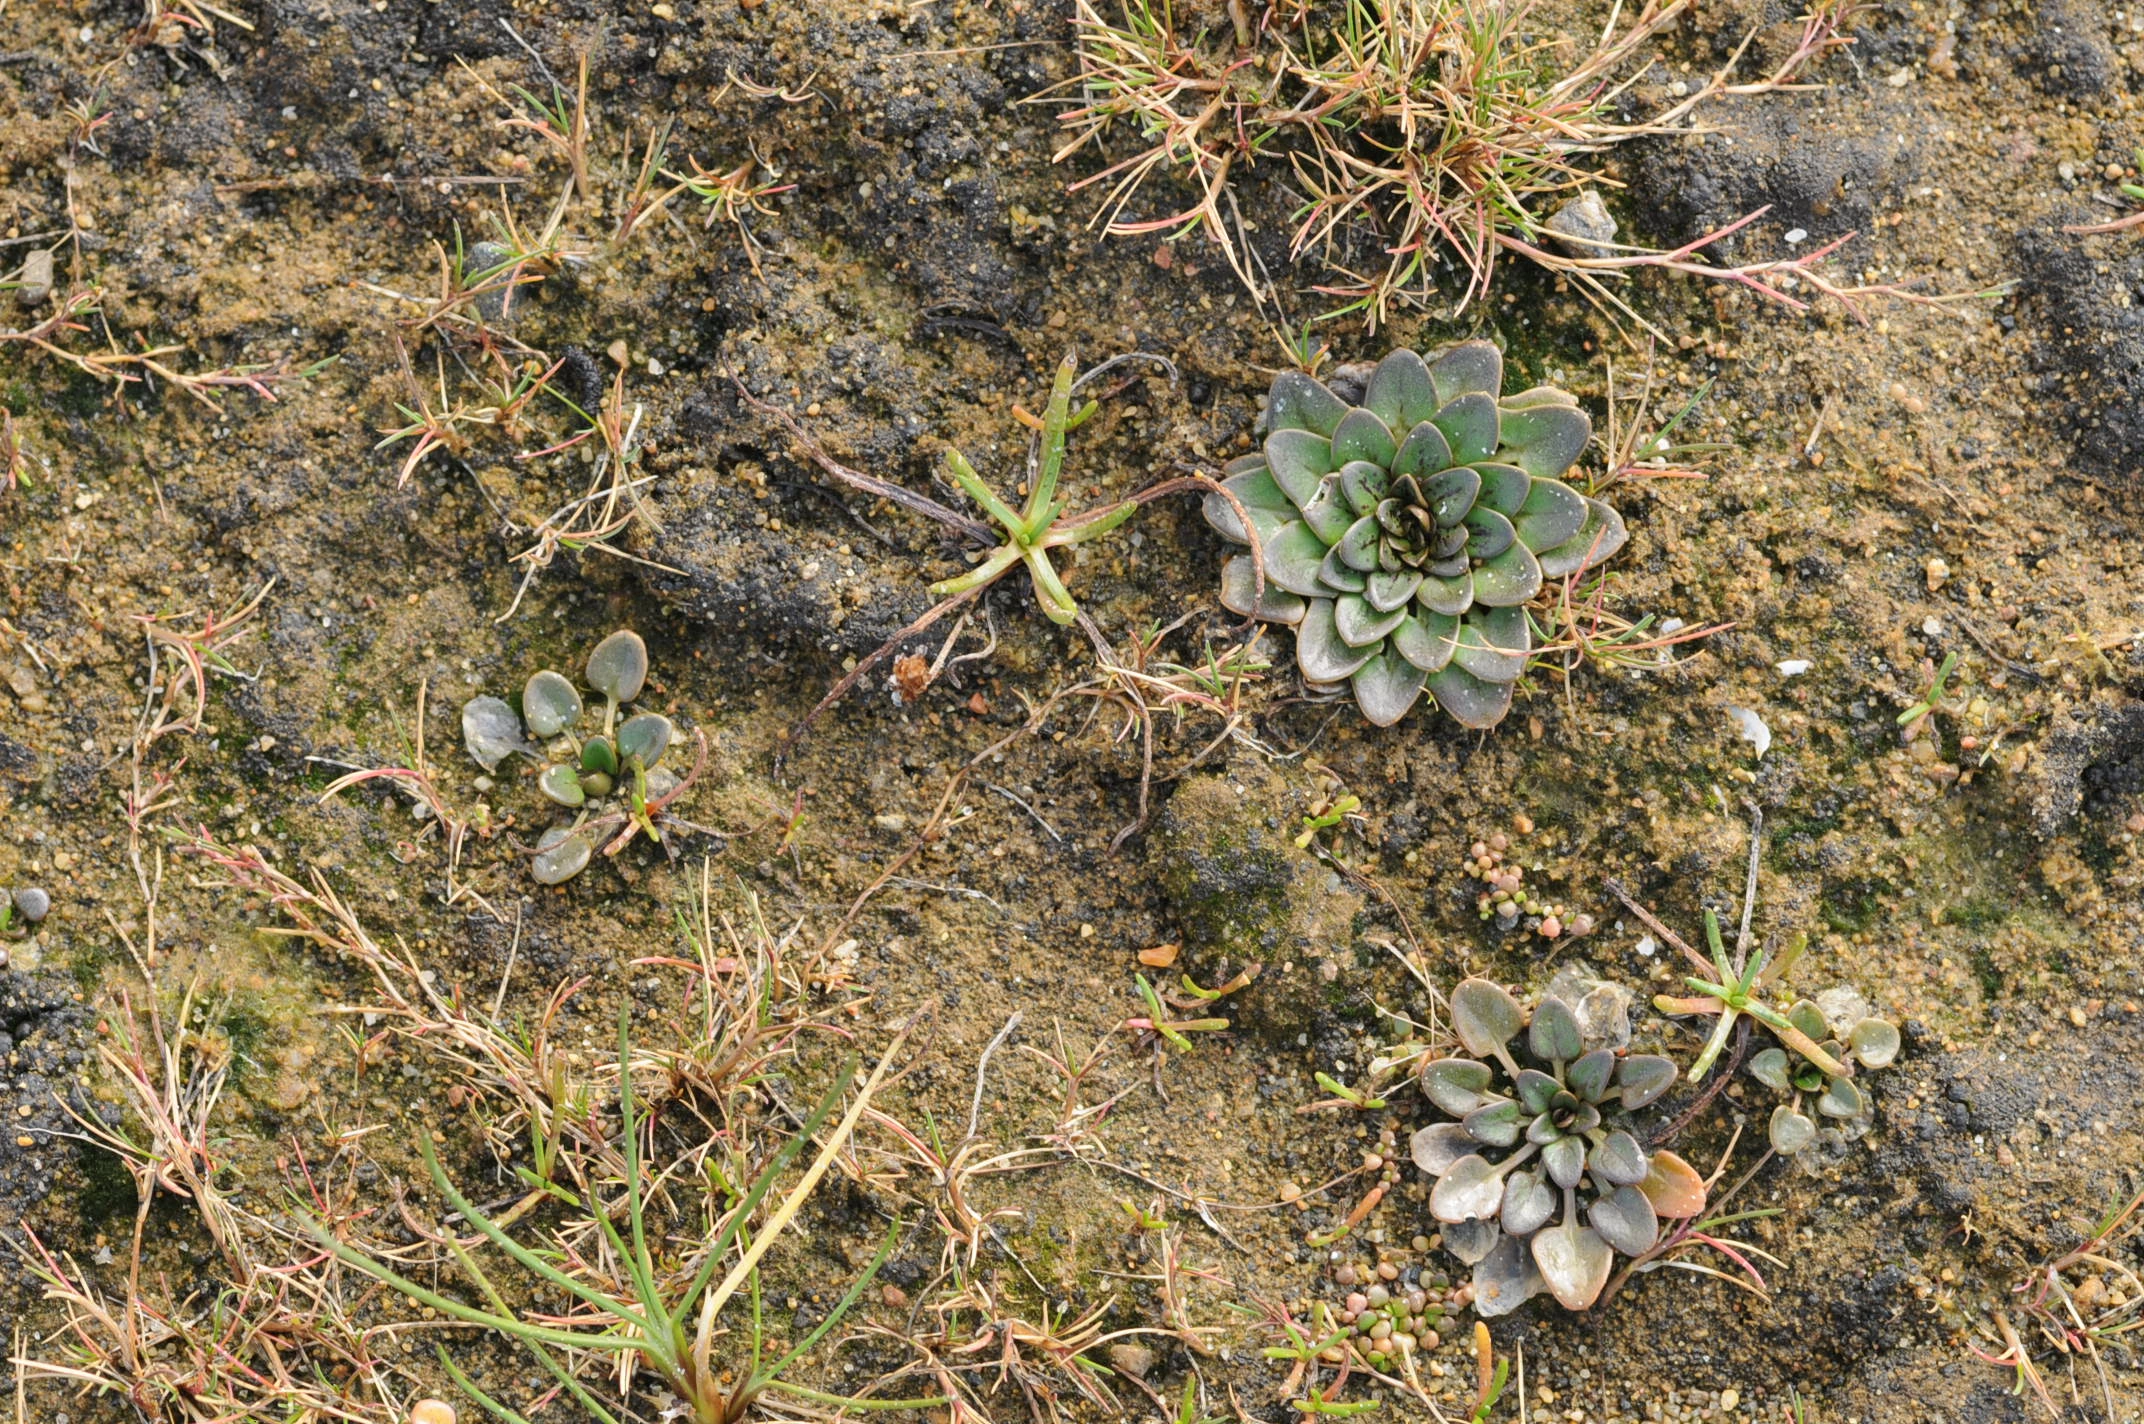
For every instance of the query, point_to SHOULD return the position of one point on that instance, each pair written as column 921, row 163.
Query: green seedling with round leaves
column 585, row 763
column 1539, row 1178
column 1403, row 537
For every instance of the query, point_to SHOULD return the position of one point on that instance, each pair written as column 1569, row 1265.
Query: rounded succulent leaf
column 1299, row 461
column 1790, row 1131
column 619, row 666
column 1496, row 1123
column 1506, row 1279
column 1436, row 1147
column 1292, row 558
column 646, row 736
column 1644, row 1077
column 1241, row 595
column 1471, row 366
column 1472, row 1240
column 562, row 784
column 1263, row 500
column 559, row 860
column 549, row 704
column 1543, row 440
column 1387, row 686
column 1469, row 1190
column 1807, row 1017
column 1673, row 1186
column 1626, row 1221
column 1565, row 1160
column 1840, row 1099
column 1552, row 514
column 1494, row 643
column 1536, row 1089
column 1619, row 1160
column 1484, row 1016
column 1400, row 391
column 1457, row 1085
column 1875, row 1043
column 1554, row 1034
column 597, row 754
column 1591, row 1076
column 1769, row 1067
column 1468, row 700
column 1510, row 578
column 1360, row 625
column 1297, row 402
column 1320, row 652
column 1598, row 539
column 1470, row 425
column 1574, row 1262
column 1428, row 640
column 1529, row 1202
column 1427, row 455
column 1362, row 436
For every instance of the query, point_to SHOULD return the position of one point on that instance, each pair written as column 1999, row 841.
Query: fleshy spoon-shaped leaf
column 1790, row 1131
column 619, row 666
column 1505, row 1279
column 1554, row 1033
column 1840, row 1099
column 1436, row 1147
column 1874, row 1042
column 1626, row 1221
column 559, row 860
column 1484, row 1016
column 549, row 704
column 1644, row 1077
column 1574, row 1262
column 1471, row 1240
column 1673, row 1186
column 1619, row 1160
column 1469, row 1190
column 1529, row 1202
column 646, row 736
column 1770, row 1068
column 1457, row 1085
column 562, row 784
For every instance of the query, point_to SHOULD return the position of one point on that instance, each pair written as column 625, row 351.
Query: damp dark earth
column 1072, row 710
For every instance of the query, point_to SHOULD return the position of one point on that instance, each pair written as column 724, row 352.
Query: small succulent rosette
column 1839, row 1022
column 1540, row 1180
column 1402, row 537
column 578, row 771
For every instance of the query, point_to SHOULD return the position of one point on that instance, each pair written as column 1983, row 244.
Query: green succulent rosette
column 1402, row 538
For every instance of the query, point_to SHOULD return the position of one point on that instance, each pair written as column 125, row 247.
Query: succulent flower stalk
column 1402, row 538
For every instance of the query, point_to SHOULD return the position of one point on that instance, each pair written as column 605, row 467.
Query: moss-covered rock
column 1240, row 889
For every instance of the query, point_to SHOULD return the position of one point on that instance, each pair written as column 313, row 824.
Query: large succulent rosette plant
column 1540, row 1181
column 1403, row 537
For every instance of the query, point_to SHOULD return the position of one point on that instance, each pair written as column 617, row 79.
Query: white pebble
column 1793, row 667
column 1750, row 727
column 1647, row 947
column 1797, row 235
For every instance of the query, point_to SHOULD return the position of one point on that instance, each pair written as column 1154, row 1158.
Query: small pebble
column 431, row 1411
column 36, row 278
column 1729, row 1398
column 34, row 903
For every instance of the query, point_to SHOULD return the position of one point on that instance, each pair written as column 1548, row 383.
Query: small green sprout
column 1142, row 1218
column 1933, row 697
column 1354, row 1097
column 1327, row 819
column 1034, row 529
column 1736, row 994
column 1158, row 1021
column 1491, row 1374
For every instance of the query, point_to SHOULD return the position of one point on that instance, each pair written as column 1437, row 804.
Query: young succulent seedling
column 614, row 757
column 1809, row 1058
column 1567, row 1105
column 1035, row 529
column 1403, row 537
